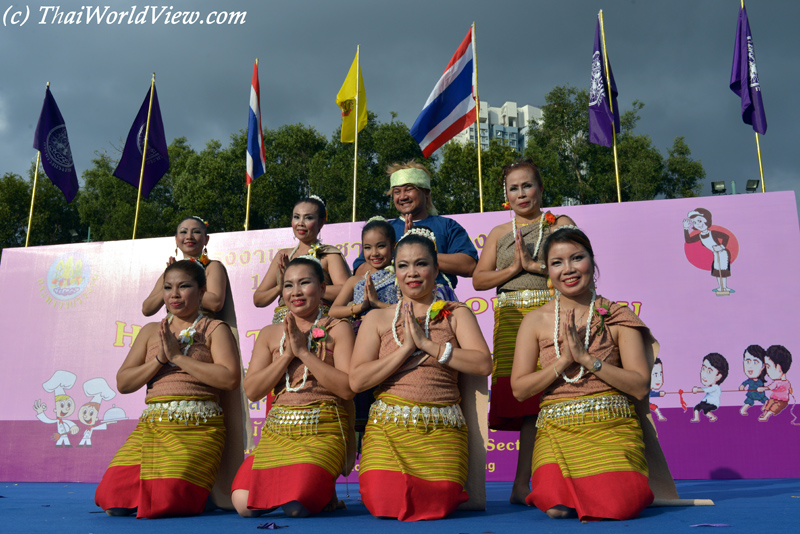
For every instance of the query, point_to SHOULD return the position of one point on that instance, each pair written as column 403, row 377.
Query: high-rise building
column 507, row 124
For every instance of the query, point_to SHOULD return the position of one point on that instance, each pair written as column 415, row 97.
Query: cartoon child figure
column 713, row 240
column 58, row 383
column 756, row 372
column 89, row 413
column 713, row 373
column 777, row 362
column 656, row 381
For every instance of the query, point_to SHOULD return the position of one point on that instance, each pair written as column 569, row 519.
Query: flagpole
column 144, row 156
column 477, row 117
column 611, row 107
column 355, row 149
column 33, row 194
column 247, row 215
column 760, row 167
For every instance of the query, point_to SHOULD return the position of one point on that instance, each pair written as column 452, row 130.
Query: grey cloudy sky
column 674, row 56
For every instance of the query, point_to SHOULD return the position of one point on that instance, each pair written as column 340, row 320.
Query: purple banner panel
column 708, row 275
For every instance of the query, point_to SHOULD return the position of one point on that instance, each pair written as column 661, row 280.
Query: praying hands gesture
column 371, row 294
column 296, row 341
column 283, row 261
column 414, row 334
column 409, row 222
column 522, row 257
column 572, row 344
column 169, row 348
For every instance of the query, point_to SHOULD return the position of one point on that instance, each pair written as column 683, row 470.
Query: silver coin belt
column 443, row 416
column 183, row 411
column 287, row 421
column 577, row 411
column 524, row 298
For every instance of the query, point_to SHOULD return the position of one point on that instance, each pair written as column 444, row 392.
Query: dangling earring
column 399, row 293
column 176, row 253
column 204, row 257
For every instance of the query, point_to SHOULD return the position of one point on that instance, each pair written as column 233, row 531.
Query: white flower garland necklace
column 585, row 341
column 541, row 230
column 187, row 334
column 305, row 368
column 397, row 316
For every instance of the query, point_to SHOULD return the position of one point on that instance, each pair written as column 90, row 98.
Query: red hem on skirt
column 409, row 498
column 309, row 484
column 506, row 412
column 122, row 487
column 615, row 495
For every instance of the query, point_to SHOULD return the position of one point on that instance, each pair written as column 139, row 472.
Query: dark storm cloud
column 674, row 56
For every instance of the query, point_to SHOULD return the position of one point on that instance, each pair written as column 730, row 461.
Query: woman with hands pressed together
column 309, row 215
column 375, row 288
column 304, row 442
column 169, row 463
column 414, row 454
column 511, row 261
column 191, row 239
column 588, row 357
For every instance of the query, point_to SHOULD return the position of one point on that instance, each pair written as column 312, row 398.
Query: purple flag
column 744, row 76
column 601, row 118
column 157, row 162
column 51, row 140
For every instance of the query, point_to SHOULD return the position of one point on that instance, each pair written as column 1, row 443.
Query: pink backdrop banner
column 73, row 311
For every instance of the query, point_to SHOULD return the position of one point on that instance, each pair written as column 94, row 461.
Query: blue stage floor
column 754, row 506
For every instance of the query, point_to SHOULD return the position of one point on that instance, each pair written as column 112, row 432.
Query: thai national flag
column 450, row 108
column 256, row 158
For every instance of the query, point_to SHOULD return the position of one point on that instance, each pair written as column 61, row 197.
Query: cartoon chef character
column 89, row 414
column 58, row 384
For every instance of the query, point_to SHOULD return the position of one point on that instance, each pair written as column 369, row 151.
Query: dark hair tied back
column 191, row 267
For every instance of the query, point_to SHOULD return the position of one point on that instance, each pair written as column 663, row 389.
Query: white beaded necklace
column 541, row 230
column 397, row 316
column 305, row 368
column 585, row 341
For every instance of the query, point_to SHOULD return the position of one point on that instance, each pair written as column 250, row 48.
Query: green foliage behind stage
column 300, row 160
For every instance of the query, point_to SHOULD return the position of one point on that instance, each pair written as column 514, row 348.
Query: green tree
column 211, row 184
column 574, row 168
column 379, row 145
column 290, row 150
column 683, row 173
column 108, row 205
column 54, row 220
column 455, row 187
column 15, row 199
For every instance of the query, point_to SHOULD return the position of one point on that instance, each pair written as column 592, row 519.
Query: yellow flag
column 346, row 99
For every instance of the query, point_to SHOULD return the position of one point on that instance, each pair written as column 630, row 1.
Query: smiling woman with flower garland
column 415, row 457
column 587, row 357
column 307, row 440
column 511, row 261
column 308, row 217
column 170, row 462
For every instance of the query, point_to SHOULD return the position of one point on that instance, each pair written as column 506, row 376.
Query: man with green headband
column 410, row 184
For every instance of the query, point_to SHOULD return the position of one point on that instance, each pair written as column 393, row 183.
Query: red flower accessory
column 506, row 205
column 549, row 218
column 602, row 312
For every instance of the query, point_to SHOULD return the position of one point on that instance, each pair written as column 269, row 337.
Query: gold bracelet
column 438, row 350
column 353, row 313
column 555, row 370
